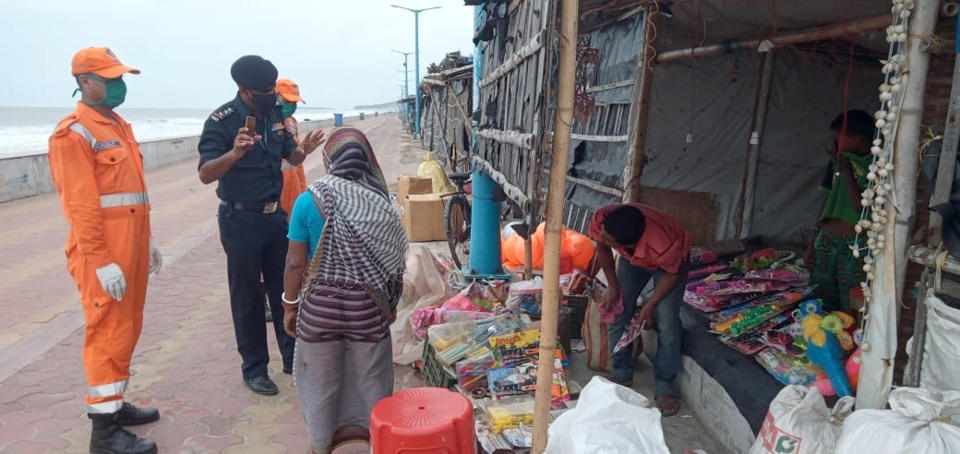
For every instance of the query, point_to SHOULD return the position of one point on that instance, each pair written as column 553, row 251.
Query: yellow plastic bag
column 434, row 170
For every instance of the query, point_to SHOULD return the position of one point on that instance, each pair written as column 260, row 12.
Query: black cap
column 252, row 71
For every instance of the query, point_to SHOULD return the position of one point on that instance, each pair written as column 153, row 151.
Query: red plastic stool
column 423, row 420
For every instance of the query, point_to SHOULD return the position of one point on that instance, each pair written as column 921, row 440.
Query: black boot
column 109, row 437
column 131, row 415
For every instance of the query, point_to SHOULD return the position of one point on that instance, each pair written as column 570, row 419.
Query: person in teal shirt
column 305, row 223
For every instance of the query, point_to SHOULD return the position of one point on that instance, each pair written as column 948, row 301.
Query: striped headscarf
column 348, row 155
column 363, row 242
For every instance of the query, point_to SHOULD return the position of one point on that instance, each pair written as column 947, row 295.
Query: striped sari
column 343, row 361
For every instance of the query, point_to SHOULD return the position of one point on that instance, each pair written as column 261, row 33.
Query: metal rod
column 802, row 36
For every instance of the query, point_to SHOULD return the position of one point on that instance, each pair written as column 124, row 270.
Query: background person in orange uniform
column 98, row 170
column 294, row 177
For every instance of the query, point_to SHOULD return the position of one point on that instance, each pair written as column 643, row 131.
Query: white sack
column 608, row 419
column 941, row 351
column 918, row 422
column 799, row 422
column 423, row 286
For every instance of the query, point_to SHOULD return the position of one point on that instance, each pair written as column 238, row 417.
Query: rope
column 930, row 137
column 846, row 104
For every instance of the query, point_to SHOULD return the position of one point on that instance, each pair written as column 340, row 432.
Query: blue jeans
column 669, row 329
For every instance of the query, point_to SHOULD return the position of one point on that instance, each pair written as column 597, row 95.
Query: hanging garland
column 877, row 197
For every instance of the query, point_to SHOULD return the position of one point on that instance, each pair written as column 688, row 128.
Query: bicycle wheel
column 456, row 221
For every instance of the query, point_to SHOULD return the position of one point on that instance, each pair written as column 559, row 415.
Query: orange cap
column 100, row 61
column 289, row 90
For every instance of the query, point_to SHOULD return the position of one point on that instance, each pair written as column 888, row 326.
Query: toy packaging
column 472, row 372
column 522, row 379
column 786, row 369
column 754, row 341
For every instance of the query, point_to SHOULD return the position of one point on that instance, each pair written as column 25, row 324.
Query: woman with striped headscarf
column 343, row 279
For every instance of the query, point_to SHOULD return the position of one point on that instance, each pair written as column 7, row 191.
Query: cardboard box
column 413, row 185
column 423, row 217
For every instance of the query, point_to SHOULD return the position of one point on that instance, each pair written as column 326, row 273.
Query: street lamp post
column 406, row 82
column 416, row 48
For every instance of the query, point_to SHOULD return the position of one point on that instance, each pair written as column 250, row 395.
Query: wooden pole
column 563, row 120
column 853, row 27
column 641, row 107
column 467, row 122
column 883, row 309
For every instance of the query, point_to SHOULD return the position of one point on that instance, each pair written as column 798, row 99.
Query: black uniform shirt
column 257, row 176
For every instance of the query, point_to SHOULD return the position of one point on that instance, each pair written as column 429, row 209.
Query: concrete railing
column 29, row 175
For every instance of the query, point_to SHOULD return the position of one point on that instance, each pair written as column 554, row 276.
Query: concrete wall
column 29, row 175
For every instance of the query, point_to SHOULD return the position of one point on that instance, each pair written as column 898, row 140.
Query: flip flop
column 668, row 405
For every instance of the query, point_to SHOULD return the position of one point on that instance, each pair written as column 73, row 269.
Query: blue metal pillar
column 484, row 228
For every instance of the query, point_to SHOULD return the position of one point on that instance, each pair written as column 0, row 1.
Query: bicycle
column 456, row 220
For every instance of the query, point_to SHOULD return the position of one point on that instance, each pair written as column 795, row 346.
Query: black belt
column 259, row 207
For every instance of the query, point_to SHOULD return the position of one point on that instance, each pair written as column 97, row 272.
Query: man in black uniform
column 253, row 228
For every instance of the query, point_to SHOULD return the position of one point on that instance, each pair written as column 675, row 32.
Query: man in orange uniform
column 294, row 177
column 98, row 170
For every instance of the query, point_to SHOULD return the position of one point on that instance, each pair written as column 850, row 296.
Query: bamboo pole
column 640, row 110
column 880, row 332
column 811, row 34
column 563, row 120
column 748, row 188
column 467, row 121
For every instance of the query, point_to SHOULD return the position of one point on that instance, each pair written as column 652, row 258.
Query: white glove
column 156, row 258
column 111, row 278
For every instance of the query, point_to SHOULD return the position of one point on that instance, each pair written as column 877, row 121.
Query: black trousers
column 255, row 244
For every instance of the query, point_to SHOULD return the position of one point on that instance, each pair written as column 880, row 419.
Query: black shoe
column 288, row 370
column 262, row 385
column 109, row 437
column 130, row 415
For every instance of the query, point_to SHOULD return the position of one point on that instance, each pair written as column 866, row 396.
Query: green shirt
column 840, row 203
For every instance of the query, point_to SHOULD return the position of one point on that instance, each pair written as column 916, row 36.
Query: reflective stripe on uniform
column 108, row 407
column 80, row 129
column 287, row 166
column 108, row 390
column 124, row 199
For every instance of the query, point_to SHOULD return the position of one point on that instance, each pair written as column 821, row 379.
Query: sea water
column 25, row 130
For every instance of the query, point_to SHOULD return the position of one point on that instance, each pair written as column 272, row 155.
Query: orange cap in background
column 289, row 90
column 100, row 61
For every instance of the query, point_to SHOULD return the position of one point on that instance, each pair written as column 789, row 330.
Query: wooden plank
column 524, row 140
column 610, row 86
column 507, row 66
column 599, row 138
column 513, row 193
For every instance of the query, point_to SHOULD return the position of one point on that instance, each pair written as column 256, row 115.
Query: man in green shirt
column 834, row 269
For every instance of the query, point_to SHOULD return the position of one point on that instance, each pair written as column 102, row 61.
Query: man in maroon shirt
column 651, row 244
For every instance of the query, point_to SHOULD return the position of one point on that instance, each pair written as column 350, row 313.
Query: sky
column 339, row 52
